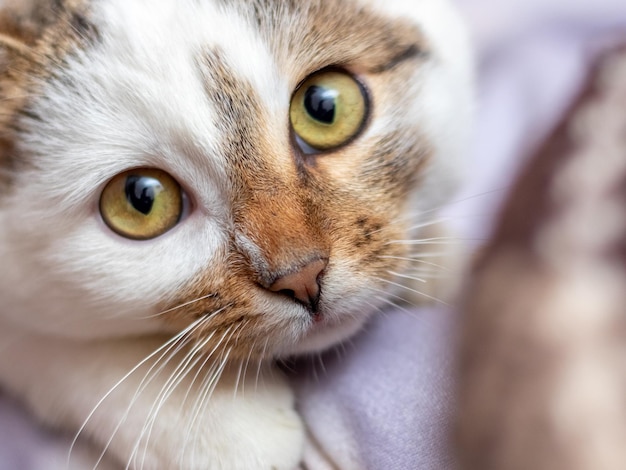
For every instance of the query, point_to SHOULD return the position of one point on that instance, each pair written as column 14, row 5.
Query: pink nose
column 302, row 284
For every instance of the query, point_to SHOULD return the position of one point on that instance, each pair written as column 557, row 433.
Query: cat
column 191, row 190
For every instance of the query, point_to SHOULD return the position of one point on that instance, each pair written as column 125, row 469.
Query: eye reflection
column 141, row 204
column 328, row 109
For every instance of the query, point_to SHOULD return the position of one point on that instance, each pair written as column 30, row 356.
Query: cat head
column 242, row 171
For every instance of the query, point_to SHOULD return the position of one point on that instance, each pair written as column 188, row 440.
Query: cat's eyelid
column 411, row 52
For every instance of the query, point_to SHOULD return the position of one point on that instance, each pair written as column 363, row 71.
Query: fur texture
column 124, row 341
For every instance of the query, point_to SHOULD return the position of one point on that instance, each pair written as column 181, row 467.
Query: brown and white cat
column 192, row 189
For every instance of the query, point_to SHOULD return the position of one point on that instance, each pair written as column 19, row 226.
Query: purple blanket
column 385, row 401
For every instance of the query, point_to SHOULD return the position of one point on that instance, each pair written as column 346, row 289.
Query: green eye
column 141, row 204
column 328, row 109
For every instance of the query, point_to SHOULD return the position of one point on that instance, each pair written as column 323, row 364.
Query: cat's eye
column 141, row 204
column 328, row 109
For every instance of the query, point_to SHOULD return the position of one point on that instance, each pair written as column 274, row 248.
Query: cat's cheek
column 104, row 285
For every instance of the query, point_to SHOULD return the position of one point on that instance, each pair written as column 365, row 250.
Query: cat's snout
column 302, row 284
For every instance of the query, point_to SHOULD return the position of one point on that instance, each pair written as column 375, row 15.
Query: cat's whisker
column 429, row 271
column 420, row 293
column 169, row 310
column 427, row 255
column 177, row 307
column 395, row 306
column 199, row 370
column 416, row 260
column 181, row 371
column 149, row 376
column 210, row 379
column 241, row 362
column 402, row 305
column 406, row 276
column 208, row 373
column 320, row 359
column 462, row 200
column 239, row 371
column 417, row 315
column 429, row 241
column 390, row 302
column 401, row 220
column 245, row 371
column 428, row 223
column 340, row 350
column 198, row 405
column 261, row 362
column 202, row 368
column 207, row 392
column 388, row 295
column 411, row 218
column 403, row 309
column 422, row 214
column 165, row 347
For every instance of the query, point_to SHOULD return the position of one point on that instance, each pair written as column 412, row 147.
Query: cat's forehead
column 165, row 83
column 170, row 73
column 271, row 44
column 305, row 34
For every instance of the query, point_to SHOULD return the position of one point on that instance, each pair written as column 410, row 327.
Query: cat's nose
column 302, row 284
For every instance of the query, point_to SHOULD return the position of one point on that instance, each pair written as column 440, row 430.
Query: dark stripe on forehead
column 412, row 52
column 239, row 115
column 307, row 35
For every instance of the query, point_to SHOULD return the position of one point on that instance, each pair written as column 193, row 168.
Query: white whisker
column 152, row 373
column 423, row 294
column 169, row 310
column 389, row 295
column 261, row 360
column 181, row 371
column 416, row 260
column 166, row 346
column 406, row 276
column 207, row 392
column 210, row 380
column 245, row 370
column 239, row 370
column 429, row 241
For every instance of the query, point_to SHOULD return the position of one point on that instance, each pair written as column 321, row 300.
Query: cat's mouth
column 263, row 325
column 325, row 332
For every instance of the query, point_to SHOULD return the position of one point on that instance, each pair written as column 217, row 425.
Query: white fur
column 142, row 103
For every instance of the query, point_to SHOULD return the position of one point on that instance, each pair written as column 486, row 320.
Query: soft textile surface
column 541, row 365
column 385, row 401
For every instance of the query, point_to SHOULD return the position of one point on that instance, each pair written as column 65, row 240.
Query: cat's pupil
column 141, row 192
column 320, row 103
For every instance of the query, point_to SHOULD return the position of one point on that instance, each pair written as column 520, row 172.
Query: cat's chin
column 324, row 335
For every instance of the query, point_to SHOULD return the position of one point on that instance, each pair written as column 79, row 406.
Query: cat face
column 243, row 169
